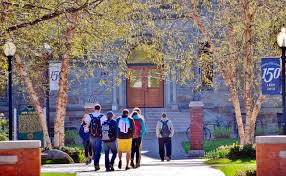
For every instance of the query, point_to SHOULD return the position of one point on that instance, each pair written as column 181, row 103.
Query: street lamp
column 281, row 40
column 9, row 51
column 49, row 51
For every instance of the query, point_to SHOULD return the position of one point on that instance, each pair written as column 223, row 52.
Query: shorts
column 124, row 145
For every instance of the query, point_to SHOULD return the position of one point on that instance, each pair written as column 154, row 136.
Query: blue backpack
column 84, row 136
column 165, row 130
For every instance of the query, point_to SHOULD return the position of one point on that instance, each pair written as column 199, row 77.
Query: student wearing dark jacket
column 109, row 135
column 126, row 129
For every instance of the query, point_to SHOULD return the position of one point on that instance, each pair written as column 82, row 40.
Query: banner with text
column 54, row 74
column 270, row 68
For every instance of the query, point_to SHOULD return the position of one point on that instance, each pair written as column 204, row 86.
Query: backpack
column 83, row 135
column 137, row 128
column 95, row 125
column 124, row 125
column 108, row 131
column 165, row 130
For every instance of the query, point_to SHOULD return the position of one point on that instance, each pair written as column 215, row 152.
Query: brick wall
column 271, row 155
column 28, row 162
column 196, row 128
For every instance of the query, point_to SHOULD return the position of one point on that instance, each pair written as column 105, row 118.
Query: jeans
column 96, row 148
column 136, row 142
column 87, row 148
column 107, row 146
column 165, row 142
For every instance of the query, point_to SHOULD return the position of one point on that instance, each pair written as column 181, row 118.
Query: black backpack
column 95, row 126
column 108, row 131
column 165, row 130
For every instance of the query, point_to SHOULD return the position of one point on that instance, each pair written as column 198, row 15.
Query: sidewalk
column 151, row 165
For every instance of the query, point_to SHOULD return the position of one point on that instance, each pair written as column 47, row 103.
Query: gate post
column 196, row 128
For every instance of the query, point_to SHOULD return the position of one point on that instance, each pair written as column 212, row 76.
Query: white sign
column 54, row 74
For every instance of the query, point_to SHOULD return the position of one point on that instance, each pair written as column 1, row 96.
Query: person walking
column 137, row 138
column 109, row 135
column 95, row 121
column 165, row 131
column 126, row 129
column 138, row 110
column 84, row 135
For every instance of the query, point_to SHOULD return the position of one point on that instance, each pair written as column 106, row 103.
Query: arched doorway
column 145, row 88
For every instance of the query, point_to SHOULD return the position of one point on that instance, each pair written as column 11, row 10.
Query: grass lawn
column 228, row 161
column 230, row 170
column 57, row 174
column 212, row 144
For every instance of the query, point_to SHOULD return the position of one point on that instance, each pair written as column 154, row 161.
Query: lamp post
column 9, row 51
column 49, row 52
column 281, row 40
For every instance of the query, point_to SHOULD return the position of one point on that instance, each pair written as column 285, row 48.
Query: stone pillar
column 168, row 90
column 196, row 128
column 121, row 93
column 114, row 92
column 20, row 158
column 174, row 105
column 271, row 155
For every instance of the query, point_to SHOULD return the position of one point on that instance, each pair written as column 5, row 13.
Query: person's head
column 125, row 112
column 164, row 115
column 134, row 113
column 138, row 110
column 97, row 108
column 109, row 115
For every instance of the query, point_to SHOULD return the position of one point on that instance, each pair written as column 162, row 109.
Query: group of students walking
column 119, row 135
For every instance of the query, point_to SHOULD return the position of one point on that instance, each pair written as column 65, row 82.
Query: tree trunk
column 63, row 86
column 35, row 100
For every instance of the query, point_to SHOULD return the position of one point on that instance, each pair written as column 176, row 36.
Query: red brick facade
column 196, row 128
column 271, row 158
column 28, row 162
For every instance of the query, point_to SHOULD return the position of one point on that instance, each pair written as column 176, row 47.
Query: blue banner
column 270, row 69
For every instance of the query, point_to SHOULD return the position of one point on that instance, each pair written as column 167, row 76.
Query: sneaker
column 96, row 167
column 168, row 158
column 127, row 168
column 87, row 162
column 108, row 170
column 111, row 167
column 120, row 164
column 162, row 160
column 137, row 165
column 132, row 164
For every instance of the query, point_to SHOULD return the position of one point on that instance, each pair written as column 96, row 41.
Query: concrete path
column 151, row 165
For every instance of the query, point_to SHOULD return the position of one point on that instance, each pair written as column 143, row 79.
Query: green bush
column 220, row 152
column 71, row 137
column 75, row 153
column 247, row 151
column 222, row 132
column 3, row 128
column 248, row 172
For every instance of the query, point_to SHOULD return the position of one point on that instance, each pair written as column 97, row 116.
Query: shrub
column 220, row 152
column 71, row 136
column 222, row 132
column 3, row 128
column 247, row 152
column 75, row 153
column 244, row 172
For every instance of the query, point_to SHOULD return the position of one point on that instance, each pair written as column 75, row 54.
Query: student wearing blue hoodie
column 137, row 138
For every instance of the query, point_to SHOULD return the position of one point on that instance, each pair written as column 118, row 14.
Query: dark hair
column 109, row 114
column 134, row 113
column 164, row 115
column 125, row 112
column 97, row 107
column 136, row 109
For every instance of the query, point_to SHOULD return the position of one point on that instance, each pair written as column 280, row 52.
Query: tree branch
column 53, row 15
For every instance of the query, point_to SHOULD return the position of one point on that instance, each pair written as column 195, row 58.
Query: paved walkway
column 151, row 165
